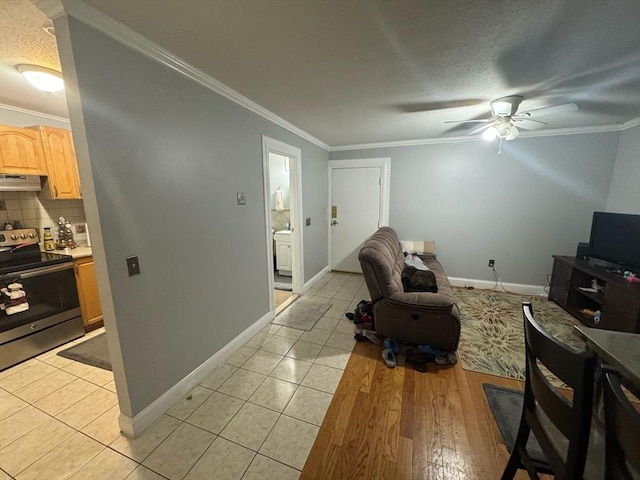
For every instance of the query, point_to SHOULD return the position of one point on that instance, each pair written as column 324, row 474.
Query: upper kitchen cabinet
column 21, row 151
column 62, row 168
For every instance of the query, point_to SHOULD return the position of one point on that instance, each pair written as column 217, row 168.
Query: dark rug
column 302, row 314
column 282, row 282
column 506, row 407
column 92, row 352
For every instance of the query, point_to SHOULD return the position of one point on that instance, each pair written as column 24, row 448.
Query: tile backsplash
column 279, row 218
column 34, row 212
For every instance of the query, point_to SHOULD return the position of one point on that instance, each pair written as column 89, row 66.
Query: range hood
column 19, row 183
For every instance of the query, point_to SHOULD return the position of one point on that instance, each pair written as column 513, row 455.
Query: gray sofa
column 421, row 318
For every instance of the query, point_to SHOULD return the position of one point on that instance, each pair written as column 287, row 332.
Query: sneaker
column 371, row 335
column 389, row 358
column 447, row 359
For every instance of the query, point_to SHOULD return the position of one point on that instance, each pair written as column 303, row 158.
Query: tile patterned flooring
column 254, row 417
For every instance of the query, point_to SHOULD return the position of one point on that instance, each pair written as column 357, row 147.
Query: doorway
column 359, row 205
column 283, row 214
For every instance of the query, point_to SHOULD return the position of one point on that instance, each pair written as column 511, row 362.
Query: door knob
column 334, row 223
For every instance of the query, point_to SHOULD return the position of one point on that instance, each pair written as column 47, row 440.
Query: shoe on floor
column 389, row 358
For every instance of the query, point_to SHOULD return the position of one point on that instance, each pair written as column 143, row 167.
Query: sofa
column 420, row 318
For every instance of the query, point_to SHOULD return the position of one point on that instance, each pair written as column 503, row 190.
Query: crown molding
column 478, row 138
column 630, row 124
column 132, row 39
column 13, row 108
column 51, row 8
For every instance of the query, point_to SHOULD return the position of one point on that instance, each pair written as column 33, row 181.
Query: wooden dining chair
column 560, row 426
column 622, row 431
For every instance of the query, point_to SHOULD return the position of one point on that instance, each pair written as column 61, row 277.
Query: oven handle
column 36, row 272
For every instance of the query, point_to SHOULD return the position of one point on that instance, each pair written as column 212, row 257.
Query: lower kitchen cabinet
column 88, row 293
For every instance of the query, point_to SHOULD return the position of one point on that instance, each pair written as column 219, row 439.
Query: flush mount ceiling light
column 45, row 79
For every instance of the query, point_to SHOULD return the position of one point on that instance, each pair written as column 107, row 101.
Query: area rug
column 282, row 282
column 302, row 314
column 492, row 337
column 506, row 407
column 282, row 286
column 92, row 352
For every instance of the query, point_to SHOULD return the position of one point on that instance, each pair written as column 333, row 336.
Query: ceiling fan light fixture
column 512, row 133
column 45, row 79
column 490, row 134
column 502, row 109
column 502, row 129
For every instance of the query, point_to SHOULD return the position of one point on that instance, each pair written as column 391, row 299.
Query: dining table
column 620, row 350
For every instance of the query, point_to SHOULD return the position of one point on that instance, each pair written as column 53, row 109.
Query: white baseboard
column 132, row 427
column 520, row 288
column 315, row 279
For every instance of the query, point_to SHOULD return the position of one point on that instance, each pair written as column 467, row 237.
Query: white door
column 355, row 213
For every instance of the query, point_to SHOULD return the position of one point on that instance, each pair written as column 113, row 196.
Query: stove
column 23, row 252
column 39, row 305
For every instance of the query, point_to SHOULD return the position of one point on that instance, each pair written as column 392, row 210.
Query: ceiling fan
column 505, row 120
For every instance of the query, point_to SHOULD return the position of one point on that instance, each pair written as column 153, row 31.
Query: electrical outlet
column 492, row 263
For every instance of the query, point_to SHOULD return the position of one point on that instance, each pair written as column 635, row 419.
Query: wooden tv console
column 619, row 302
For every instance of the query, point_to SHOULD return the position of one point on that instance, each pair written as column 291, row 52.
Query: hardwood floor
column 401, row 424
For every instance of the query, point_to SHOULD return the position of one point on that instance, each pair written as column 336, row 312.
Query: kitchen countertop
column 77, row 252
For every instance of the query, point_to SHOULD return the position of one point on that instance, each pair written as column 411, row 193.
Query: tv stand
column 618, row 302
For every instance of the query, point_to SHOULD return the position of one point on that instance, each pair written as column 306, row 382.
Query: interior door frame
column 385, row 187
column 271, row 145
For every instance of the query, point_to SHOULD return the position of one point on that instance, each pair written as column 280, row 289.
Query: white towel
column 279, row 199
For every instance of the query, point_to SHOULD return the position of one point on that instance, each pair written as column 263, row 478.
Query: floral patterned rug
column 492, row 338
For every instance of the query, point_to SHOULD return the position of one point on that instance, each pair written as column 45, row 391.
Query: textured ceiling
column 23, row 40
column 351, row 72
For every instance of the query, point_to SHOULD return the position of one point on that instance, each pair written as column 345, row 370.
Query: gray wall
column 167, row 158
column 624, row 193
column 521, row 207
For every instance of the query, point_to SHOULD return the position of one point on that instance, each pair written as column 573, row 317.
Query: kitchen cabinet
column 88, row 293
column 62, row 168
column 21, row 151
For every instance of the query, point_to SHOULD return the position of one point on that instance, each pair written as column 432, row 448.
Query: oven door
column 52, row 297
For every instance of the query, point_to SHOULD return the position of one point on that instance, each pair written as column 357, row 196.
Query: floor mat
column 302, row 314
column 506, row 407
column 92, row 352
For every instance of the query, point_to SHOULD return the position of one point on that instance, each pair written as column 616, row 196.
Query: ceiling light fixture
column 45, row 79
column 490, row 134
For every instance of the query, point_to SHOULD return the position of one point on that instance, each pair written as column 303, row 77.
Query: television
column 615, row 239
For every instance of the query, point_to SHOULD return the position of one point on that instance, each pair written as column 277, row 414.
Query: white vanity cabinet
column 283, row 252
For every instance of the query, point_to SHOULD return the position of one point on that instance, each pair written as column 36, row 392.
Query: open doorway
column 283, row 202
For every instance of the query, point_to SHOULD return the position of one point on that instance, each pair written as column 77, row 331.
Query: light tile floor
column 254, row 417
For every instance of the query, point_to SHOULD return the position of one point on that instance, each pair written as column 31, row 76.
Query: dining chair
column 561, row 426
column 622, row 431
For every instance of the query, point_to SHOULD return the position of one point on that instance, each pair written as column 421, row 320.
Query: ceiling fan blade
column 551, row 110
column 470, row 121
column 479, row 129
column 529, row 123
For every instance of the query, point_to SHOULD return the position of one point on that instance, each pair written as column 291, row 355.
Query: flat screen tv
column 615, row 238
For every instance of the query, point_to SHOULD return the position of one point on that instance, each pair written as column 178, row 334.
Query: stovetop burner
column 22, row 252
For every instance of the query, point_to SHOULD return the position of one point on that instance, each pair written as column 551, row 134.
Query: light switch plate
column 133, row 266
